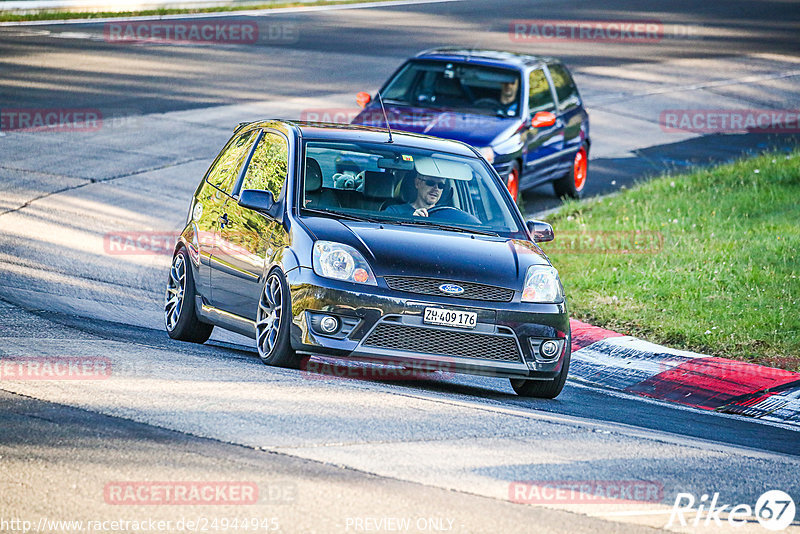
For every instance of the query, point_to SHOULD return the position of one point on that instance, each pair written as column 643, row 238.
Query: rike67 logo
column 774, row 510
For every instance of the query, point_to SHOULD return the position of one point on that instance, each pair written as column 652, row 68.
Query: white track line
column 243, row 13
column 584, row 422
column 580, row 384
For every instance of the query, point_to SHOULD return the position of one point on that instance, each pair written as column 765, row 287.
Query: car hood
column 418, row 251
column 471, row 128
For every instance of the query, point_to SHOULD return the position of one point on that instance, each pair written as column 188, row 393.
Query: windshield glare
column 439, row 84
column 398, row 184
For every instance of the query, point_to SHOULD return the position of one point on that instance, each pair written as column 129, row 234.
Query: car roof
column 497, row 58
column 368, row 134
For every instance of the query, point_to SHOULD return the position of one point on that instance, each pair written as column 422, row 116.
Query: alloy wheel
column 268, row 319
column 579, row 171
column 176, row 286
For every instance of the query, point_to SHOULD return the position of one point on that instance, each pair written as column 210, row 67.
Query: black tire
column 543, row 389
column 273, row 341
column 180, row 315
column 573, row 183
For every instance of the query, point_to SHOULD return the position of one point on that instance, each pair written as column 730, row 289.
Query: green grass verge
column 724, row 280
column 64, row 15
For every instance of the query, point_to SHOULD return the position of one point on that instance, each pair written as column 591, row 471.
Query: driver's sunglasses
column 431, row 183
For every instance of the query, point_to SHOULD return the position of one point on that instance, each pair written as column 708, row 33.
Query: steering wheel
column 451, row 214
column 487, row 102
column 440, row 209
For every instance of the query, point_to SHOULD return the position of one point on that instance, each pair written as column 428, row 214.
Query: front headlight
column 542, row 285
column 341, row 262
column 488, row 154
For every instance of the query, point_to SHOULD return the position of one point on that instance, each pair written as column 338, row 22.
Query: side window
column 225, row 171
column 400, row 87
column 269, row 166
column 539, row 96
column 566, row 91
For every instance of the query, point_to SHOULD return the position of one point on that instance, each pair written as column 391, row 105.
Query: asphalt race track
column 330, row 454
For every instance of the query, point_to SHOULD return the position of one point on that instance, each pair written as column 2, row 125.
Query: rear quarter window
column 226, row 169
column 540, row 98
column 566, row 91
column 269, row 165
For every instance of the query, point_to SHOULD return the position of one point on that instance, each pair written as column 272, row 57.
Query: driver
column 508, row 96
column 429, row 191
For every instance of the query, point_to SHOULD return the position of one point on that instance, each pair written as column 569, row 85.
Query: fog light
column 549, row 349
column 329, row 324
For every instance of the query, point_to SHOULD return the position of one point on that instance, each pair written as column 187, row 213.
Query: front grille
column 426, row 286
column 444, row 342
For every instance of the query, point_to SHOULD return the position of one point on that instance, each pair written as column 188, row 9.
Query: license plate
column 459, row 319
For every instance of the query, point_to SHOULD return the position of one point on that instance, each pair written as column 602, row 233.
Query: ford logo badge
column 451, row 289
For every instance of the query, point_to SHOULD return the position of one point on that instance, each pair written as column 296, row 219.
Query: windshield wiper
column 446, row 227
column 362, row 218
column 340, row 215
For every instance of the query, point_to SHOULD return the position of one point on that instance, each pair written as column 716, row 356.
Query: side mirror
column 540, row 231
column 542, row 119
column 258, row 200
column 363, row 98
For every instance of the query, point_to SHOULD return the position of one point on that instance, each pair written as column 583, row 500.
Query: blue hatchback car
column 523, row 113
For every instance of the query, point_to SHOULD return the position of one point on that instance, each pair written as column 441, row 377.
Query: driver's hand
column 421, row 212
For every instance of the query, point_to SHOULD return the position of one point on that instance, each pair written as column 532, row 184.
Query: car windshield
column 451, row 85
column 401, row 185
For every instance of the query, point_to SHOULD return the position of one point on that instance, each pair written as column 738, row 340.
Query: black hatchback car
column 414, row 254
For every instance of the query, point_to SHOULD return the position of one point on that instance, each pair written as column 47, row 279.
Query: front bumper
column 385, row 325
column 503, row 169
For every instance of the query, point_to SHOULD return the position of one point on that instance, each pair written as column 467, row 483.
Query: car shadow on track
column 589, row 403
